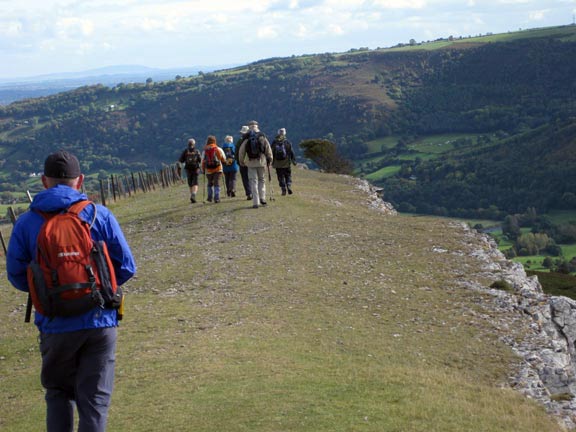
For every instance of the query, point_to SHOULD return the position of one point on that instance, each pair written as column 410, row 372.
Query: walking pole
column 223, row 177
column 204, row 189
column 12, row 215
column 271, row 187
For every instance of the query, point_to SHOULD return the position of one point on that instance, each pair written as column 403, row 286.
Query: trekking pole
column 204, row 189
column 224, row 181
column 29, row 301
column 271, row 187
column 28, row 313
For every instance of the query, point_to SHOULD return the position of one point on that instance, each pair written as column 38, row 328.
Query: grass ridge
column 316, row 313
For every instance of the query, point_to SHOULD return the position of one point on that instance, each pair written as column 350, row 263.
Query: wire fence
column 117, row 187
column 114, row 188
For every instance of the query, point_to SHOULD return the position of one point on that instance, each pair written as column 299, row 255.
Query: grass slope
column 316, row 313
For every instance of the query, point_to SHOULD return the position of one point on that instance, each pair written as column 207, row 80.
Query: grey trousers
column 78, row 369
column 257, row 184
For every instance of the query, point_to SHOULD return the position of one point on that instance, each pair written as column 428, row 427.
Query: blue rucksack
column 280, row 152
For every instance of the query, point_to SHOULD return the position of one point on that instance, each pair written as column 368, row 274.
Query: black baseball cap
column 62, row 165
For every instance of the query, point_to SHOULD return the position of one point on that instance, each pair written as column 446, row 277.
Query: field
column 382, row 160
column 568, row 34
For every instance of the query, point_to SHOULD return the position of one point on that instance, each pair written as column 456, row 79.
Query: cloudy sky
column 49, row 36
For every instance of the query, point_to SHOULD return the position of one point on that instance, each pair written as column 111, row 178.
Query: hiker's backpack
column 255, row 145
column 211, row 157
column 229, row 153
column 280, row 151
column 192, row 161
column 71, row 273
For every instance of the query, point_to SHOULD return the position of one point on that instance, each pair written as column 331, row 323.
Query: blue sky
column 50, row 36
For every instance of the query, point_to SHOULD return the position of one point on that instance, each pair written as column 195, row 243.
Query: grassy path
column 316, row 313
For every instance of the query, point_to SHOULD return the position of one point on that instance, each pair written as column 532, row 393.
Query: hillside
column 316, row 313
column 495, row 90
column 535, row 168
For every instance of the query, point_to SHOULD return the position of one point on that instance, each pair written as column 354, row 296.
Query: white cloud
column 11, row 29
column 401, row 4
column 266, row 32
column 336, row 29
column 506, row 2
column 157, row 32
column 301, row 31
column 537, row 15
column 151, row 25
column 348, row 4
column 72, row 27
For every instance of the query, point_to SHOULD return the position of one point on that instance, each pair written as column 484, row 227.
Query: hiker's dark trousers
column 192, row 177
column 230, row 181
column 245, row 180
column 284, row 177
column 78, row 369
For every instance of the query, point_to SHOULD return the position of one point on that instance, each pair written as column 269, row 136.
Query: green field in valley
column 384, row 160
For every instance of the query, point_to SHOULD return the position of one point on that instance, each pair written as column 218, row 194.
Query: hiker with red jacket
column 212, row 159
column 78, row 351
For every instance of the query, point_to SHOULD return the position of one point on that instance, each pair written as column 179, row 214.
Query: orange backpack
column 72, row 273
column 211, row 157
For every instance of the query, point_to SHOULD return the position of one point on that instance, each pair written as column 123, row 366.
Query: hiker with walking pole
column 243, row 168
column 271, row 186
column 77, row 325
column 204, row 188
column 212, row 159
column 256, row 154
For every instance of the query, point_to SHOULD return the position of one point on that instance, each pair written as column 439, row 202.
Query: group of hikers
column 251, row 155
column 70, row 255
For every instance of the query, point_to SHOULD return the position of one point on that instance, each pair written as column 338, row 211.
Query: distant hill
column 500, row 92
column 14, row 89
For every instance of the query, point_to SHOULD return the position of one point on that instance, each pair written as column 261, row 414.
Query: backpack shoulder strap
column 78, row 206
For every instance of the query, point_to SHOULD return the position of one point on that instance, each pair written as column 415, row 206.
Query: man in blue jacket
column 78, row 352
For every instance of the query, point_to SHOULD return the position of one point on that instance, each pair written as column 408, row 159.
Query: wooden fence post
column 102, row 195
column 113, row 186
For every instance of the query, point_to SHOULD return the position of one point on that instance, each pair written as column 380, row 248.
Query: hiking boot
column 249, row 197
column 216, row 200
column 283, row 191
column 232, row 194
column 209, row 199
column 263, row 202
column 192, row 200
column 290, row 191
column 255, row 206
